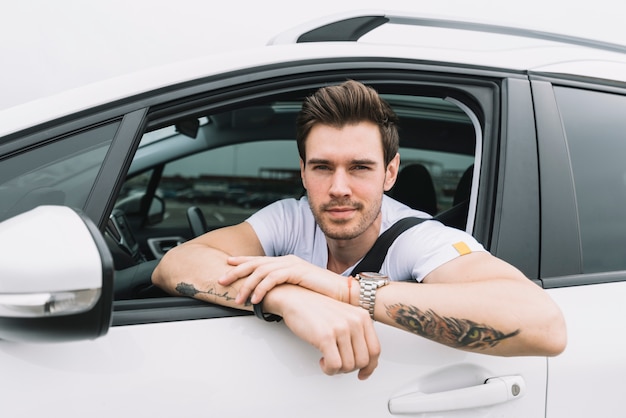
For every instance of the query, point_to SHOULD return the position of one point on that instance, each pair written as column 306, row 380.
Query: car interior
column 214, row 169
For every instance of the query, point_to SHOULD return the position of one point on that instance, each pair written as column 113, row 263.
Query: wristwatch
column 369, row 283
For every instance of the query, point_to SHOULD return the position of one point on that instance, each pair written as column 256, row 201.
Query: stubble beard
column 342, row 229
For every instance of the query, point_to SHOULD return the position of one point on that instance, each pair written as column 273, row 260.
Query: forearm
column 500, row 317
column 193, row 270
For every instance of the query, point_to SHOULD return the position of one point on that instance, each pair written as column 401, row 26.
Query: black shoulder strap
column 374, row 258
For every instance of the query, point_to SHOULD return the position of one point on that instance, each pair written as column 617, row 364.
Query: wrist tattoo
column 453, row 332
column 189, row 290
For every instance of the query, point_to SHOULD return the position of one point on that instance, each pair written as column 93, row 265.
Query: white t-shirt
column 288, row 227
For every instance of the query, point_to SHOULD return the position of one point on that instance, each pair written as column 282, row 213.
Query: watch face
column 372, row 275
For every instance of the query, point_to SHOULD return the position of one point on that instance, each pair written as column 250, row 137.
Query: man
column 293, row 258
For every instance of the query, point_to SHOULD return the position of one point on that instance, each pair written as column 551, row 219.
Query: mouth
column 341, row 212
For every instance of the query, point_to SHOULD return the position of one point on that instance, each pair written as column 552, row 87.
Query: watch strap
column 269, row 317
column 367, row 292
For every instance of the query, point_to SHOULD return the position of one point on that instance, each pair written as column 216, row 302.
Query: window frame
column 480, row 93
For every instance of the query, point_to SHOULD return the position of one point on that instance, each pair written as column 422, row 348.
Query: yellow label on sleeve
column 462, row 248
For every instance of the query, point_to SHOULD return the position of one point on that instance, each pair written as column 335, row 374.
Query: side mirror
column 56, row 277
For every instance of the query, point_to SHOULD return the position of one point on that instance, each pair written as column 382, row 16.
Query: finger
column 244, row 266
column 264, row 275
column 249, row 285
column 270, row 280
column 330, row 363
column 373, row 349
column 231, row 277
column 352, row 346
column 362, row 358
column 235, row 260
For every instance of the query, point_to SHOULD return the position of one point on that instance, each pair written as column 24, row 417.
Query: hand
column 261, row 274
column 343, row 333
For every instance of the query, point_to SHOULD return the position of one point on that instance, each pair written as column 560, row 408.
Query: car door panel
column 582, row 241
column 588, row 378
column 240, row 366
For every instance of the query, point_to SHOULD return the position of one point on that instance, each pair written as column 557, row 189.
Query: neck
column 343, row 254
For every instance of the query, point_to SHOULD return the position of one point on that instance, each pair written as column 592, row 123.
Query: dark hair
column 348, row 103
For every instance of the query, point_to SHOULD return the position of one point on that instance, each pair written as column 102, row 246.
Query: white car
column 520, row 138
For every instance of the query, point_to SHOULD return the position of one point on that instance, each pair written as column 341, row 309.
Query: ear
column 391, row 173
column 302, row 173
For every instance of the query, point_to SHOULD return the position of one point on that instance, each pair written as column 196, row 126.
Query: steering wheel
column 122, row 243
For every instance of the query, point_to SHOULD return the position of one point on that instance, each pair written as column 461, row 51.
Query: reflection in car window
column 59, row 173
column 597, row 144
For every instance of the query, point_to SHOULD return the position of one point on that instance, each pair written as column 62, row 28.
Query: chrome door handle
column 494, row 391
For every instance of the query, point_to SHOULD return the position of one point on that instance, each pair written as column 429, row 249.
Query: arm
column 344, row 334
column 475, row 302
column 192, row 269
column 478, row 303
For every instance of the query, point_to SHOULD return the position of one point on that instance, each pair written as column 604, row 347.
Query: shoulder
column 286, row 227
column 392, row 211
column 284, row 208
column 282, row 217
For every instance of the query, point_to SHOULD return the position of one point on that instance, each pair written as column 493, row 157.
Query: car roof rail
column 351, row 26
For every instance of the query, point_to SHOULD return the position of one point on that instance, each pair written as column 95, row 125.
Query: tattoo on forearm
column 454, row 332
column 186, row 289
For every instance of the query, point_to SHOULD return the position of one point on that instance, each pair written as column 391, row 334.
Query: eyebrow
column 364, row 161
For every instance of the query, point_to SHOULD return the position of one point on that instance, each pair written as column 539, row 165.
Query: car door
column 581, row 130
column 167, row 355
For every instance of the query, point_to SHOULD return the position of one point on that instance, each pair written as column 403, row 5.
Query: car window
column 61, row 172
column 227, row 164
column 229, row 183
column 595, row 127
column 232, row 181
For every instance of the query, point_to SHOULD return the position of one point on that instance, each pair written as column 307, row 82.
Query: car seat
column 415, row 188
column 197, row 221
column 456, row 216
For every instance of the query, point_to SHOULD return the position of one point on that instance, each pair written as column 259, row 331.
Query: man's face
column 345, row 177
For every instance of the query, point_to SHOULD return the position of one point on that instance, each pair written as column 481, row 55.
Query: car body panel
column 217, row 367
column 587, row 379
column 562, row 57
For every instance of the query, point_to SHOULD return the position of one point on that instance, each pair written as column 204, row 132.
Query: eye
column 320, row 167
column 472, row 335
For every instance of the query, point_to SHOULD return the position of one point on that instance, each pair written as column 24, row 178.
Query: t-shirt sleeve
column 272, row 228
column 425, row 247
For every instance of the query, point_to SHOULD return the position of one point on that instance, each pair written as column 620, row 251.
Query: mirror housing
column 56, row 277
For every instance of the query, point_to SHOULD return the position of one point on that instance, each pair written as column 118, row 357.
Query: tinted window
column 58, row 173
column 595, row 125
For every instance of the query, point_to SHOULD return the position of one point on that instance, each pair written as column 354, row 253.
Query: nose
column 340, row 184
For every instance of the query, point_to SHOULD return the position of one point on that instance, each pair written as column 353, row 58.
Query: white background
column 49, row 46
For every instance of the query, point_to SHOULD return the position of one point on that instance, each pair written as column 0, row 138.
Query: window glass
column 58, row 173
column 595, row 125
column 445, row 169
column 231, row 182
